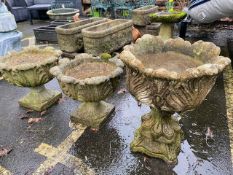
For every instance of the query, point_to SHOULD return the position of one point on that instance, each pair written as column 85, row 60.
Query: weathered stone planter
column 171, row 76
column 167, row 19
column 107, row 37
column 30, row 68
column 152, row 29
column 69, row 36
column 140, row 16
column 62, row 13
column 90, row 90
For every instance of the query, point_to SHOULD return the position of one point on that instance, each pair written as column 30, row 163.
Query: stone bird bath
column 167, row 20
column 30, row 68
column 171, row 76
column 89, row 80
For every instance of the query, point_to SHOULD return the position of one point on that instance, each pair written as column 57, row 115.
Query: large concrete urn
column 169, row 76
column 30, row 68
column 89, row 80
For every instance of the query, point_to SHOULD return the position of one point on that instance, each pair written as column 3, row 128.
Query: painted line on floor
column 61, row 155
column 4, row 171
column 228, row 87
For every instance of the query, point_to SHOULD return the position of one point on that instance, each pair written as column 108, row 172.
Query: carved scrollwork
column 88, row 93
column 30, row 77
column 166, row 94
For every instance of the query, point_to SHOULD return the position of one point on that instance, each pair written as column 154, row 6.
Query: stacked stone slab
column 9, row 37
column 141, row 21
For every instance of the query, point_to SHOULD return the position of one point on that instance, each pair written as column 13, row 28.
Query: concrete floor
column 52, row 147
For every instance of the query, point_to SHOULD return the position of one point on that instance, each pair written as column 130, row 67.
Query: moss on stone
column 105, row 56
column 167, row 17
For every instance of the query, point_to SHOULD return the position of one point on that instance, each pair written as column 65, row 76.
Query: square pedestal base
column 92, row 114
column 40, row 100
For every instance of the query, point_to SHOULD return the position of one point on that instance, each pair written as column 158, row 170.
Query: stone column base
column 92, row 114
column 159, row 136
column 166, row 30
column 40, row 98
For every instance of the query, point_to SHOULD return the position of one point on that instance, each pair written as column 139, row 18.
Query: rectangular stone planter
column 152, row 29
column 140, row 15
column 107, row 37
column 69, row 36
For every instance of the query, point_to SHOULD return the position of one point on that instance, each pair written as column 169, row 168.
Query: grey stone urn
column 159, row 82
column 90, row 91
column 69, row 36
column 20, row 69
column 62, row 13
column 107, row 37
column 140, row 16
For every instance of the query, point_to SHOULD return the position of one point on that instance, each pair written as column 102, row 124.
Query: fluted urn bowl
column 30, row 68
column 169, row 76
column 89, row 80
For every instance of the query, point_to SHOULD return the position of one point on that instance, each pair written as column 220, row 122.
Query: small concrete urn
column 167, row 20
column 89, row 80
column 30, row 68
column 171, row 76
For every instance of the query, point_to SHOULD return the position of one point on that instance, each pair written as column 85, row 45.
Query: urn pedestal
column 92, row 113
column 170, row 76
column 40, row 98
column 159, row 136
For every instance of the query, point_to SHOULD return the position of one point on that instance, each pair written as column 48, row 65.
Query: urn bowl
column 87, row 88
column 29, row 67
column 172, row 75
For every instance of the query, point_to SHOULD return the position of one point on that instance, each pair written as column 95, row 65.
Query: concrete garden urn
column 30, row 68
column 167, row 20
column 172, row 76
column 89, row 80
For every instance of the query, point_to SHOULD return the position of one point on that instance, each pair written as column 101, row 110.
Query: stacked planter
column 107, row 37
column 141, row 20
column 69, row 36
